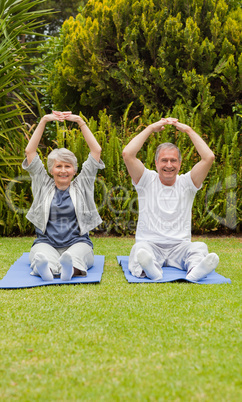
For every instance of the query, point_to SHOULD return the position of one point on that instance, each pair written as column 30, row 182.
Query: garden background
column 123, row 64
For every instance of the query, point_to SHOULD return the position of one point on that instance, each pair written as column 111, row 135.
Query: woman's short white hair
column 61, row 154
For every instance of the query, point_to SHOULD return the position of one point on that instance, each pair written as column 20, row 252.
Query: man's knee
column 141, row 244
column 199, row 247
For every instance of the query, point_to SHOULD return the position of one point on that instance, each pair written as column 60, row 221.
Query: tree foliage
column 216, row 207
column 152, row 52
column 16, row 91
column 16, row 21
column 60, row 11
column 152, row 58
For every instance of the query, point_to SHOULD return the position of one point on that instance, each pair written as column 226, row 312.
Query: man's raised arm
column 134, row 165
column 200, row 170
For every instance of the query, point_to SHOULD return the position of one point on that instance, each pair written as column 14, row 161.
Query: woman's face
column 63, row 173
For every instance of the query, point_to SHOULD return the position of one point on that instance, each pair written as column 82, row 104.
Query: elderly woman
column 63, row 210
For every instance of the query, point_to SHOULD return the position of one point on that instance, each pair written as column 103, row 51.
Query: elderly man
column 163, row 236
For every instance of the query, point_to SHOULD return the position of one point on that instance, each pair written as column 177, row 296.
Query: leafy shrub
column 217, row 205
column 154, row 53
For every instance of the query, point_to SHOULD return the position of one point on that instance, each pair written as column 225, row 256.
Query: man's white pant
column 185, row 256
column 81, row 253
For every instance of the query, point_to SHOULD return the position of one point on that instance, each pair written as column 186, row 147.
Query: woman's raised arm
column 34, row 141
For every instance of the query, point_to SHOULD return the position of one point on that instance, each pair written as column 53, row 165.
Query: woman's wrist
column 43, row 120
column 82, row 123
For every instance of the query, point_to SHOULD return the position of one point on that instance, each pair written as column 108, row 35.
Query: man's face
column 168, row 166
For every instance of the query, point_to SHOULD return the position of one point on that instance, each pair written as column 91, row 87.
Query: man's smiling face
column 168, row 166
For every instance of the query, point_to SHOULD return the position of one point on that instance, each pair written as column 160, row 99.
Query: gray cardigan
column 81, row 193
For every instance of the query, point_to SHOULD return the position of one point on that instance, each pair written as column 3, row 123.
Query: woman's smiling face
column 63, row 173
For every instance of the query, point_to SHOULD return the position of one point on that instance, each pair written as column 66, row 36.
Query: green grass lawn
column 116, row 341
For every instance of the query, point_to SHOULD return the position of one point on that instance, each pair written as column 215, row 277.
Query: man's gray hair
column 61, row 154
column 167, row 145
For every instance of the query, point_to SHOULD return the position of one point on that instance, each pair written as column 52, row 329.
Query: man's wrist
column 189, row 131
column 151, row 128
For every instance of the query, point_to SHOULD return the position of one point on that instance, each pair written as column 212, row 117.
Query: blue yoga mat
column 170, row 274
column 18, row 275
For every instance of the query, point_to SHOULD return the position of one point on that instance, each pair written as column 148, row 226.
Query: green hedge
column 217, row 205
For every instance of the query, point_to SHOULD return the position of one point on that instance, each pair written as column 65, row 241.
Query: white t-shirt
column 164, row 211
